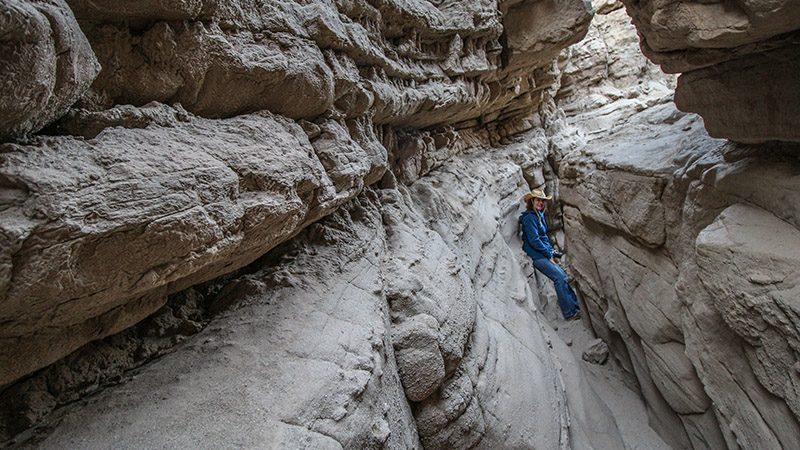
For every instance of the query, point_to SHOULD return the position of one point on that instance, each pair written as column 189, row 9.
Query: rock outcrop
column 683, row 247
column 307, row 211
column 287, row 111
column 412, row 293
column 739, row 61
column 98, row 232
column 672, row 279
column 47, row 64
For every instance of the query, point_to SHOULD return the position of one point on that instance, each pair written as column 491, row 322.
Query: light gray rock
column 406, row 318
column 149, row 199
column 88, row 124
column 661, row 293
column 678, row 25
column 443, row 65
column 310, row 344
column 753, row 296
column 643, row 294
column 606, row 68
column 419, row 359
column 193, row 63
column 596, row 352
column 134, row 214
column 289, row 365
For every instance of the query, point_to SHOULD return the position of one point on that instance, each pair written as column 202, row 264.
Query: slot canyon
column 293, row 224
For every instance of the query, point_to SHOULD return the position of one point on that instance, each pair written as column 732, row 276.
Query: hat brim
column 529, row 196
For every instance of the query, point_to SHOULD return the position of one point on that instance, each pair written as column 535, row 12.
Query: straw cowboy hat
column 536, row 193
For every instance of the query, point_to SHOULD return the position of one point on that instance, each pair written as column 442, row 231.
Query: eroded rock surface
column 372, row 151
column 683, row 249
column 312, row 101
column 324, row 343
column 667, row 306
column 410, row 63
column 98, row 232
column 739, row 61
column 47, row 64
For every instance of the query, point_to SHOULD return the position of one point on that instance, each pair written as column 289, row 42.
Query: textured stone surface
column 47, row 64
column 408, row 63
column 303, row 358
column 310, row 345
column 596, row 352
column 97, row 232
column 739, row 61
column 684, row 282
column 399, row 315
column 314, row 100
column 737, row 108
column 645, row 299
column 756, row 299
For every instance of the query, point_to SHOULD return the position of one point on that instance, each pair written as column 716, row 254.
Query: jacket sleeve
column 530, row 233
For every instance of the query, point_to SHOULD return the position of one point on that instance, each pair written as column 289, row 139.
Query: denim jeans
column 567, row 300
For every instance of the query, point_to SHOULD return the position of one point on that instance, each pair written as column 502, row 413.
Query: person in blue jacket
column 538, row 247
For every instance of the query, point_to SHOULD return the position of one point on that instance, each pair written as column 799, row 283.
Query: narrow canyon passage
column 293, row 224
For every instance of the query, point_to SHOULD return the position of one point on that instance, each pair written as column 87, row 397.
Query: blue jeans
column 567, row 300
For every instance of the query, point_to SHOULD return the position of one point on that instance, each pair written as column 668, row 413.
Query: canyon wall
column 738, row 59
column 216, row 130
column 684, row 247
column 302, row 217
column 314, row 205
column 405, row 319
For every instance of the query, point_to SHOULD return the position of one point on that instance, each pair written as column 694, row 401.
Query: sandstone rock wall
column 216, row 130
column 376, row 142
column 685, row 277
column 683, row 248
column 739, row 61
column 47, row 64
column 405, row 319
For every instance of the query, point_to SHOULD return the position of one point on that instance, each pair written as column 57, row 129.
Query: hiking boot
column 575, row 316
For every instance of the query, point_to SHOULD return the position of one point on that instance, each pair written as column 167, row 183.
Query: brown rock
column 47, row 64
column 739, row 61
column 751, row 99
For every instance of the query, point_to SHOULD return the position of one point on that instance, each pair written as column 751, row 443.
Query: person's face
column 538, row 204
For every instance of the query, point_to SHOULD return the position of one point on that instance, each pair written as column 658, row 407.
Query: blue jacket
column 534, row 235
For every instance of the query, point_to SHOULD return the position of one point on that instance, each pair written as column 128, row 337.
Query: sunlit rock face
column 683, row 247
column 216, row 130
column 739, row 61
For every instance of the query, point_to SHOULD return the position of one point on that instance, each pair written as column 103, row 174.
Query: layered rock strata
column 288, row 110
column 414, row 293
column 684, row 251
column 680, row 268
column 402, row 319
column 739, row 61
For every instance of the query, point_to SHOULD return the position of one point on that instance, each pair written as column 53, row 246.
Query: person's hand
column 553, row 260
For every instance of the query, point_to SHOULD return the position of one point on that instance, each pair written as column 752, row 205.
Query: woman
column 537, row 246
